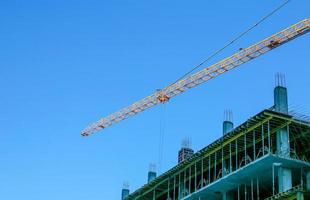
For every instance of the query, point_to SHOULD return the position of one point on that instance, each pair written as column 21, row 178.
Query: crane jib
column 210, row 72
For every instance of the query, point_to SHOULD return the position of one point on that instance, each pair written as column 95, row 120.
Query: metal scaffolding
column 232, row 158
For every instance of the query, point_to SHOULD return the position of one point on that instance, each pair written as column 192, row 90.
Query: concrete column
column 125, row 190
column 283, row 145
column 151, row 176
column 227, row 196
column 300, row 196
column 308, row 180
column 281, row 105
column 125, row 193
column 182, row 190
column 280, row 99
column 284, row 179
column 227, row 127
column 283, row 141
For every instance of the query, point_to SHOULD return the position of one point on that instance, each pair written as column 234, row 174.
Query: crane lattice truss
column 237, row 59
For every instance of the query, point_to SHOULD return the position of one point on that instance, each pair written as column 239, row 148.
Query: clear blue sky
column 64, row 64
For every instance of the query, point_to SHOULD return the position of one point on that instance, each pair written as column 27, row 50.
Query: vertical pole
column 223, row 160
column 195, row 189
column 257, row 188
column 269, row 141
column 245, row 192
column 179, row 189
column 252, row 192
column 202, row 173
column 154, row 195
column 245, row 154
column 189, row 179
column 174, row 187
column 300, row 195
column 254, row 148
column 236, row 154
column 168, row 193
column 238, row 192
column 273, row 189
column 308, row 180
column 215, row 158
column 263, row 138
column 230, row 161
column 301, row 179
column 209, row 170
column 184, row 181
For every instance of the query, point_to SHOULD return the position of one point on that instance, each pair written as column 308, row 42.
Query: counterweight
column 237, row 59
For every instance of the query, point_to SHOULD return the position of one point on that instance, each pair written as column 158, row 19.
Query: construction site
column 266, row 157
column 155, row 100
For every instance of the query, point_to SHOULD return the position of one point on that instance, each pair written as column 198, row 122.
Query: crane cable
column 233, row 40
column 162, row 119
column 161, row 137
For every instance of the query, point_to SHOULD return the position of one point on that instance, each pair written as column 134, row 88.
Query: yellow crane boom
column 237, row 59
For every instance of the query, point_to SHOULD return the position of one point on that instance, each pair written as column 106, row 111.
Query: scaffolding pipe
column 252, row 192
column 201, row 173
column 215, row 158
column 245, row 153
column 168, row 193
column 263, row 138
column 236, row 154
column 254, row 147
column 195, row 189
column 209, row 170
column 257, row 188
column 174, row 187
column 154, row 195
column 230, row 159
column 269, row 142
column 245, row 192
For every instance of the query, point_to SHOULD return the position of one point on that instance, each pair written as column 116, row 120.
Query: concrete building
column 266, row 157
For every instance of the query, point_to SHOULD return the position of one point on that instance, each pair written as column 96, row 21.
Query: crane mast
column 204, row 75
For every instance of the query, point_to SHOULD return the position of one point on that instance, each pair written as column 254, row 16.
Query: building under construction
column 266, row 157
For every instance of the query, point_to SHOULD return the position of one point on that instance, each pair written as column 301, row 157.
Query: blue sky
column 64, row 64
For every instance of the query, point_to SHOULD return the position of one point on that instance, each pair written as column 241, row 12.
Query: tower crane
column 202, row 76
